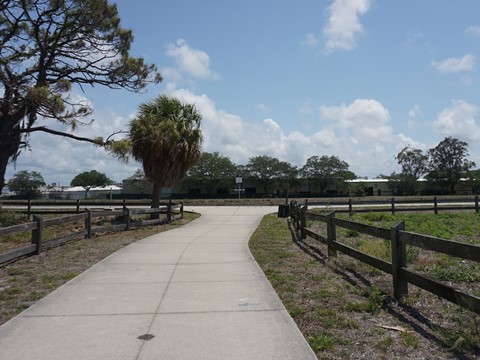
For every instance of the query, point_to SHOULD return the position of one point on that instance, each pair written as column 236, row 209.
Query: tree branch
column 107, row 140
column 61, row 133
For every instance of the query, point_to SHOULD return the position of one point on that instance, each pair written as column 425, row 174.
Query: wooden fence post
column 88, row 223
column 303, row 223
column 331, row 234
column 435, row 205
column 350, row 207
column 37, row 234
column 181, row 210
column 29, row 208
column 78, row 206
column 476, row 204
column 128, row 217
column 393, row 206
column 297, row 222
column 399, row 260
column 293, row 213
column 169, row 211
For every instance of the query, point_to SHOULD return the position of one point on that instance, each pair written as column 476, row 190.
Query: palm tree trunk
column 155, row 199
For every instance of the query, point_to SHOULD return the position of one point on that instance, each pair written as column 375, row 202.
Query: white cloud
column 262, row 107
column 467, row 80
column 171, row 86
column 415, row 112
column 193, row 62
column 363, row 118
column 311, row 41
column 414, row 38
column 358, row 133
column 59, row 159
column 473, row 31
column 454, row 65
column 413, row 115
column 404, row 140
column 343, row 26
column 306, row 108
column 458, row 120
column 172, row 74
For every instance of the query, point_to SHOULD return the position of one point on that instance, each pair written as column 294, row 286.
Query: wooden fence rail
column 397, row 205
column 397, row 267
column 171, row 213
column 44, row 207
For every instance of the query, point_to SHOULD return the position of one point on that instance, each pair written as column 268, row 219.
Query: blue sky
column 359, row 79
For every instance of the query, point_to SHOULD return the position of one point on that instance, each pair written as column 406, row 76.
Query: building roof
column 368, row 181
column 105, row 188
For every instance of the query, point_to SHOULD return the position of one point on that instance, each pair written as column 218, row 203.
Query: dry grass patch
column 344, row 307
column 27, row 280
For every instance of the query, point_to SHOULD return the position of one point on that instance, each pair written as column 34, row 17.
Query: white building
column 78, row 192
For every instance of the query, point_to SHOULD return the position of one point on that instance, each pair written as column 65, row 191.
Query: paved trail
column 194, row 292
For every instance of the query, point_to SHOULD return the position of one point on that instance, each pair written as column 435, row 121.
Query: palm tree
column 166, row 138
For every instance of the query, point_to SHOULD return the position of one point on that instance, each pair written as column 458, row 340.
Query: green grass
column 409, row 339
column 464, row 227
column 373, row 304
column 11, row 218
column 337, row 311
column 331, row 319
column 386, row 343
column 322, row 341
column 55, row 280
column 460, row 227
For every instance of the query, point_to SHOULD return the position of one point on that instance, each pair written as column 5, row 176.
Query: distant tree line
column 216, row 172
column 442, row 168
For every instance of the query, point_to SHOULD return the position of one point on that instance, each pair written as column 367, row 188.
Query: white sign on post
column 239, row 181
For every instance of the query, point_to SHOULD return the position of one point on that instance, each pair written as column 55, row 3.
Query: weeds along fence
column 397, row 267
column 125, row 219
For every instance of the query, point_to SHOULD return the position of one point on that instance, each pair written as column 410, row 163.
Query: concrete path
column 190, row 293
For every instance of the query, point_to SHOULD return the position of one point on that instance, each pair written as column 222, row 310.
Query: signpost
column 238, row 182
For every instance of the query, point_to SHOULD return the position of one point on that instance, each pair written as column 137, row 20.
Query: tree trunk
column 9, row 145
column 157, row 187
column 452, row 189
column 3, row 169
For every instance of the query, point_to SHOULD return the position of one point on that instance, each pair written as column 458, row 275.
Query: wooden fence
column 397, row 267
column 30, row 207
column 394, row 205
column 125, row 217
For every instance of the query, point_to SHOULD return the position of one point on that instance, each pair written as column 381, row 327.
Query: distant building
column 373, row 187
column 52, row 192
column 78, row 192
column 6, row 192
